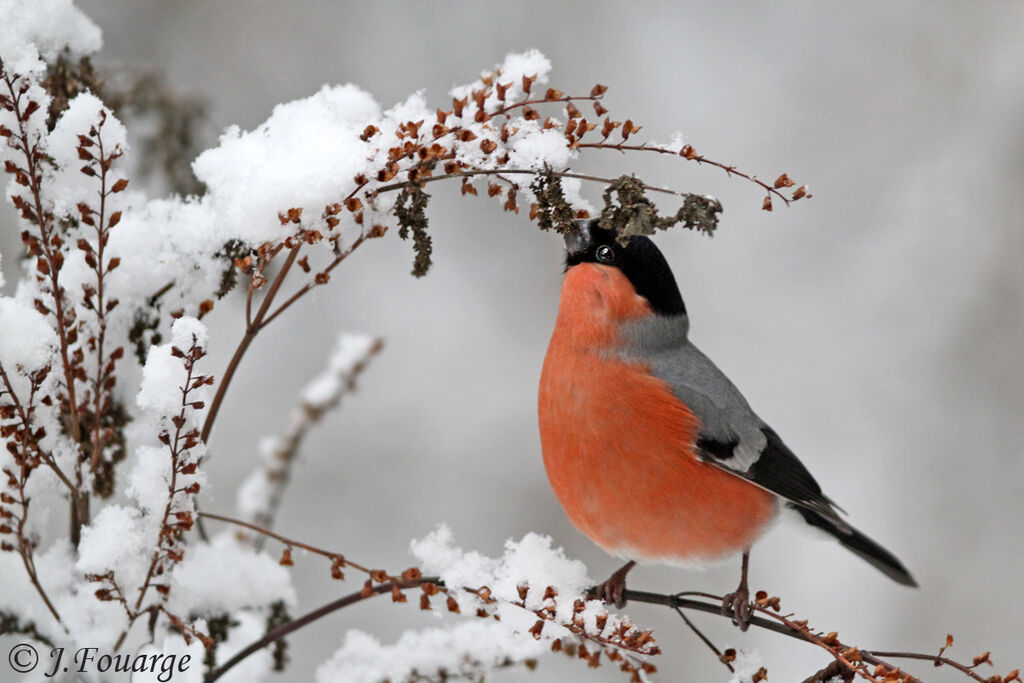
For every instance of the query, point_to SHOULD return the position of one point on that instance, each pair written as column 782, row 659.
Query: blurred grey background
column 878, row 326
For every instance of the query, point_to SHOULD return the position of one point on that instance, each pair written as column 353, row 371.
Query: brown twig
column 689, row 600
column 174, row 523
column 937, row 660
column 310, row 285
column 290, row 627
column 704, row 639
column 49, row 249
column 516, row 171
column 251, row 330
column 290, row 542
column 699, row 158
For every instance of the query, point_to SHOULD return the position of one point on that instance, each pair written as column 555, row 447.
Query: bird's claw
column 613, row 590
column 737, row 605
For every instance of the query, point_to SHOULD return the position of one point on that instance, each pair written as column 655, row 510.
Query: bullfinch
column 652, row 451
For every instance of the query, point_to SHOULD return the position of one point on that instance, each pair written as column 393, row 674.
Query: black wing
column 774, row 467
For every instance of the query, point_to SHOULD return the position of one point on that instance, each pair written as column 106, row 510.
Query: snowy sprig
column 164, row 484
column 469, row 650
column 260, row 494
column 538, row 593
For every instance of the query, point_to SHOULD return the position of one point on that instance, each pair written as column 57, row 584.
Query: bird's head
column 639, row 260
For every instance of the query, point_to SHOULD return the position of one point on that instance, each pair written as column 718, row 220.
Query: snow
column 746, row 664
column 536, row 149
column 255, row 498
column 304, row 156
column 255, row 494
column 469, row 649
column 117, row 539
column 164, row 376
column 187, row 331
column 172, row 651
column 33, row 28
column 68, row 186
column 349, row 350
column 511, row 70
column 256, row 667
column 531, row 563
column 225, row 575
column 26, row 338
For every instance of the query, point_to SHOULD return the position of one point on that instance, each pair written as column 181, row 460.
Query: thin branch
column 44, row 220
column 251, row 331
column 517, row 171
column 704, row 639
column 289, row 542
column 310, row 285
column 937, row 660
column 33, row 443
column 708, row 603
column 292, row 626
column 699, row 158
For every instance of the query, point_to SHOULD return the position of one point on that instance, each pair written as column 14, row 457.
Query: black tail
column 863, row 546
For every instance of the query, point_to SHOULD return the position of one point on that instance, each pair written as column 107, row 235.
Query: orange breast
column 618, row 445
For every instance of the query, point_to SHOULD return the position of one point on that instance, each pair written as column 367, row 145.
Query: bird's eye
column 605, row 254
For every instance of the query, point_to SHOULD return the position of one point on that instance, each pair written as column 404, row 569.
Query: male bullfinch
column 652, row 451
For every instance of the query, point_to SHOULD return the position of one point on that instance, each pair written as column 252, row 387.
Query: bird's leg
column 738, row 604
column 612, row 589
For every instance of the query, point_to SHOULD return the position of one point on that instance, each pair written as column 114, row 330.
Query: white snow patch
column 226, row 575
column 26, row 338
column 469, row 649
column 34, row 28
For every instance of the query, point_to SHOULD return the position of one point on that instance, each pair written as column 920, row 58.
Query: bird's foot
column 737, row 605
column 614, row 588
